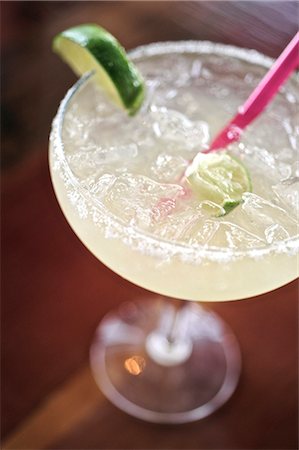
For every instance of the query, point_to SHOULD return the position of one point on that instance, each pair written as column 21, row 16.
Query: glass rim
column 155, row 243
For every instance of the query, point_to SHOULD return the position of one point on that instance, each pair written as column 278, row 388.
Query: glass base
column 163, row 364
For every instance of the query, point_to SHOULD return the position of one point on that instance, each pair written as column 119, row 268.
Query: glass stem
column 170, row 344
column 177, row 308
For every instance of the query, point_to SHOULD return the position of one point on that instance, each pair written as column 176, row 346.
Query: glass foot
column 163, row 364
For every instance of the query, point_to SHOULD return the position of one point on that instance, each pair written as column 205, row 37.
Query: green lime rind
column 219, row 178
column 90, row 47
column 229, row 206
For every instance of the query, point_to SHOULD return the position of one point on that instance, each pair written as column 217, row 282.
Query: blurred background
column 54, row 292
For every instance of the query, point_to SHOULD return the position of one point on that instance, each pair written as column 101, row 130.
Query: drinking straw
column 260, row 96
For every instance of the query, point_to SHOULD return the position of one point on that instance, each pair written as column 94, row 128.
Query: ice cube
column 287, row 191
column 275, row 233
column 264, row 219
column 229, row 235
column 167, row 167
column 176, row 130
column 135, row 197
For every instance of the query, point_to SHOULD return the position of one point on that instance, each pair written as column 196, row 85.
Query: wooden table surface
column 54, row 292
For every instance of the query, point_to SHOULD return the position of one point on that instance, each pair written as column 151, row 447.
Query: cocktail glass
column 115, row 178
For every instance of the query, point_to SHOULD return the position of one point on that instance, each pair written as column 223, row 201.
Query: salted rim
column 131, row 234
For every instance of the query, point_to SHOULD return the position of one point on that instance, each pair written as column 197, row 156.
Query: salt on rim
column 130, row 235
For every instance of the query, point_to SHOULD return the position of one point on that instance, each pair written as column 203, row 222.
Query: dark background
column 54, row 292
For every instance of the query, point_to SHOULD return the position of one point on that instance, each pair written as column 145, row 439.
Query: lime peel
column 218, row 178
column 89, row 47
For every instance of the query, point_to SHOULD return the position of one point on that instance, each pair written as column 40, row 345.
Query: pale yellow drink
column 117, row 177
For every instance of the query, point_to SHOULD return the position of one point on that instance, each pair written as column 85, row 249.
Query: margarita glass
column 116, row 179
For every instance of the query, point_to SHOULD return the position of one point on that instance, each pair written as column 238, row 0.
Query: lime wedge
column 91, row 48
column 218, row 178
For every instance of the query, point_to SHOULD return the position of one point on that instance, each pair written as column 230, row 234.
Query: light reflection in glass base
column 182, row 382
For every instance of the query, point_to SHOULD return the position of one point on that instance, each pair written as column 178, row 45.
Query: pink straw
column 260, row 97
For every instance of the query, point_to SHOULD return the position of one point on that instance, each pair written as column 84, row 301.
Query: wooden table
column 54, row 292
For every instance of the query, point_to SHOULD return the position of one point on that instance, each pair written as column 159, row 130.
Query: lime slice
column 91, row 48
column 218, row 178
